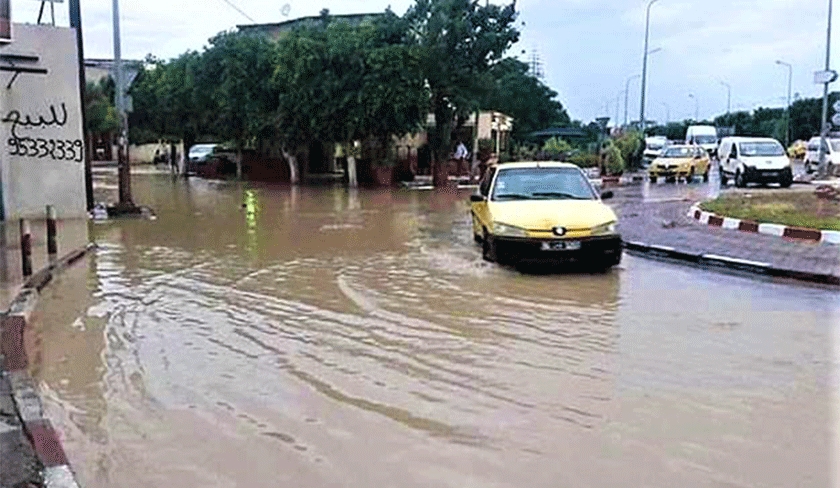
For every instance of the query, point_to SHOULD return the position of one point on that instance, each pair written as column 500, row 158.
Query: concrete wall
column 41, row 139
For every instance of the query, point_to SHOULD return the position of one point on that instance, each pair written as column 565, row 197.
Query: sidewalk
column 19, row 466
column 665, row 225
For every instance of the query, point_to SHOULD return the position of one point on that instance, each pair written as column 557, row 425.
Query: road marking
column 731, row 224
column 772, row 229
column 726, row 259
column 831, row 236
column 662, row 248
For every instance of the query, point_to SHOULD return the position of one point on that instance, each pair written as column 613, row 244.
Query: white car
column 654, row 147
column 754, row 159
column 812, row 153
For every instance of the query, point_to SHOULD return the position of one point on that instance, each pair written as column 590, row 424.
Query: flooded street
column 261, row 336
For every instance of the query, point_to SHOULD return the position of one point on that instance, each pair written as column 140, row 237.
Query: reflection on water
column 266, row 336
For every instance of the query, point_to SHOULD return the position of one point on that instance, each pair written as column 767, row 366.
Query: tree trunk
column 291, row 159
column 352, row 178
column 239, row 163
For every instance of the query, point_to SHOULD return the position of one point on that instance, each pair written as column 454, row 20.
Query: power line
column 239, row 10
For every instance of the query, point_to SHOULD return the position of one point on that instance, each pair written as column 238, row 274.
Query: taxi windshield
column 678, row 152
column 542, row 184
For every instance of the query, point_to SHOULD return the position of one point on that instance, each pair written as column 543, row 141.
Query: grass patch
column 798, row 209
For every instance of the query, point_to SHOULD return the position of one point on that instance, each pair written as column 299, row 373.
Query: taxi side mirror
column 607, row 195
column 477, row 198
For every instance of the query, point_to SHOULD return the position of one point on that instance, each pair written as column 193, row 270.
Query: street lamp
column 821, row 172
column 696, row 107
column 667, row 113
column 790, row 87
column 123, row 168
column 728, row 96
column 644, row 66
column 627, row 95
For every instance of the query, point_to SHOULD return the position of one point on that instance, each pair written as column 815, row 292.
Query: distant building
column 98, row 69
column 276, row 29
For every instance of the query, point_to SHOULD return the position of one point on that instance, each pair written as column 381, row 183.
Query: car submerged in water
column 544, row 212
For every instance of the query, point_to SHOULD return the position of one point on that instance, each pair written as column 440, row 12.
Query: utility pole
column 123, row 167
column 728, row 96
column 667, row 113
column 76, row 23
column 821, row 172
column 696, row 107
column 627, row 96
column 644, row 67
column 790, row 89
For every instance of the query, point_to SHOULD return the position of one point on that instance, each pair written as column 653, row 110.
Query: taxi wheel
column 706, row 176
column 488, row 249
column 653, row 179
column 740, row 181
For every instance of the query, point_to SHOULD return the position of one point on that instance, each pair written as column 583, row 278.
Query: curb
column 735, row 264
column 45, row 440
column 788, row 232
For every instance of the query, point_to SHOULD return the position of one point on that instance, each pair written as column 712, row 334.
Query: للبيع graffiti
column 41, row 148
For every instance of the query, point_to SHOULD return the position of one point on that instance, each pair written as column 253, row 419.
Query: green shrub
column 556, row 147
column 613, row 160
column 632, row 147
column 585, row 160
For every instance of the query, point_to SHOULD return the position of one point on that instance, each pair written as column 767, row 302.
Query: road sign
column 827, row 76
column 836, row 120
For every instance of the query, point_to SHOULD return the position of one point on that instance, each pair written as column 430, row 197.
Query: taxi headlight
column 505, row 230
column 604, row 229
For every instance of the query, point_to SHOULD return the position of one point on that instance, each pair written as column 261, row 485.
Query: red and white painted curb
column 795, row 233
column 15, row 363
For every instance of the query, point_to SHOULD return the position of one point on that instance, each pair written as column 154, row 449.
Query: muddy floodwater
column 260, row 336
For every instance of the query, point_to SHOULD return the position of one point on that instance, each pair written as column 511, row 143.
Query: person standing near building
column 461, row 155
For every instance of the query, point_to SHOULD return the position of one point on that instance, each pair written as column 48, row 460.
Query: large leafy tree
column 237, row 71
column 339, row 83
column 458, row 41
column 532, row 104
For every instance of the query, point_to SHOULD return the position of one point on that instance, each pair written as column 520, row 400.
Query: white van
column 812, row 153
column 704, row 136
column 654, row 146
column 754, row 159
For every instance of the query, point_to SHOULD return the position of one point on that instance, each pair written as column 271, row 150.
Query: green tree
column 532, row 104
column 242, row 97
column 459, row 41
column 100, row 112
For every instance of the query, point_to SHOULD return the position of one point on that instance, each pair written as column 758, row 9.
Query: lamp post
column 667, row 113
column 644, row 66
column 728, row 96
column 790, row 88
column 821, row 172
column 696, row 107
column 627, row 95
column 123, row 167
column 617, row 105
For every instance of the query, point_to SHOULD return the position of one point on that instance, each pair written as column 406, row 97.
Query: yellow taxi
column 680, row 162
column 544, row 211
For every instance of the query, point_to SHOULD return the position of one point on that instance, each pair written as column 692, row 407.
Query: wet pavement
column 267, row 336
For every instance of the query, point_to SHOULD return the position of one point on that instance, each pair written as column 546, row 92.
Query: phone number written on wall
column 55, row 149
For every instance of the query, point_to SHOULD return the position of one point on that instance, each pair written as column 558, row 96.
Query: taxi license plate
column 561, row 246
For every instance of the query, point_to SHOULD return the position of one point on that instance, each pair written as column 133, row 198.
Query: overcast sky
column 589, row 47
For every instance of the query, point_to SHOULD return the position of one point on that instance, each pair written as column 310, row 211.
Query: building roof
column 558, row 132
column 285, row 26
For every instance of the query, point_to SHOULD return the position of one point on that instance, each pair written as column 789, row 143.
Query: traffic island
column 666, row 229
column 805, row 215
